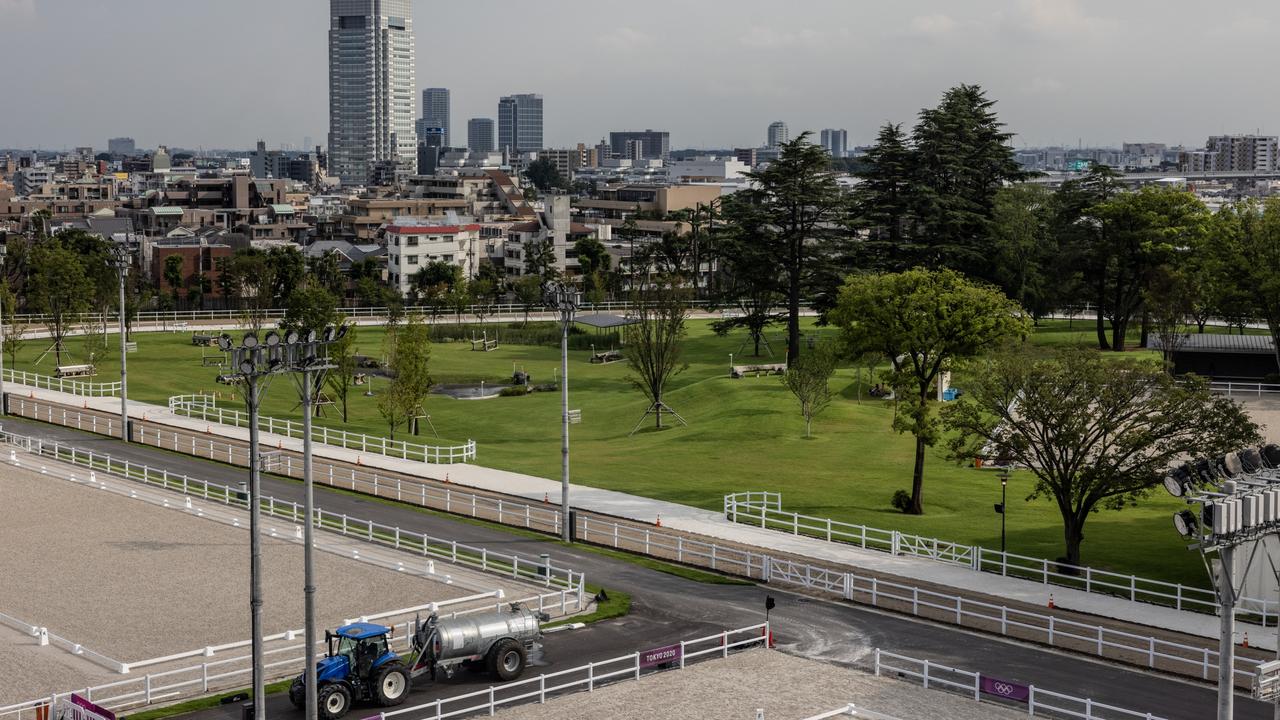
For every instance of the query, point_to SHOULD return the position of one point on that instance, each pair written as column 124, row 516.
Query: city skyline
column 829, row 64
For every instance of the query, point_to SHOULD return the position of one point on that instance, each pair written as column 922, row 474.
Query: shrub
column 901, row 500
column 514, row 391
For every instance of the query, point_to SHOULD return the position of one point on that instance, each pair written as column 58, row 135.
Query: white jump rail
column 965, row 682
column 70, row 386
column 204, row 407
column 520, row 567
column 587, row 678
column 766, row 512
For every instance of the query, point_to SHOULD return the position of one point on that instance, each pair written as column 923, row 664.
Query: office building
column 431, row 143
column 520, row 123
column 480, row 135
column 655, row 144
column 746, row 156
column 836, row 142
column 121, row 146
column 777, row 134
column 371, row 87
column 435, row 110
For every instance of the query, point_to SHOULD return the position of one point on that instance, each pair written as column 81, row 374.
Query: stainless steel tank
column 469, row 636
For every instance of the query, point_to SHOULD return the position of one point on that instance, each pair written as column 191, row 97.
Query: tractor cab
column 354, row 650
column 358, row 666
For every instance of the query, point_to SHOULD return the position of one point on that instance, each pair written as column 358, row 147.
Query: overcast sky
column 223, row 73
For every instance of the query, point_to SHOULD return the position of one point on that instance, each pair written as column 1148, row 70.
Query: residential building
column 371, row 87
column 121, row 146
column 264, row 163
column 435, row 111
column 31, row 180
column 201, row 253
column 746, row 156
column 649, row 144
column 1243, row 153
column 480, row 135
column 1143, row 155
column 777, row 134
column 413, row 243
column 364, row 217
column 836, row 142
column 520, row 123
column 431, row 143
column 620, row 202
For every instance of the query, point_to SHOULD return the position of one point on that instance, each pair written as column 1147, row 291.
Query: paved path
column 712, row 524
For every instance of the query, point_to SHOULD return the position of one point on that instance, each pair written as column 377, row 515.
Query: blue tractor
column 358, row 666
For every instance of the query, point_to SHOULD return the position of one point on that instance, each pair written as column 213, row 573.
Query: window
column 447, row 258
column 412, row 241
column 352, row 22
column 413, row 259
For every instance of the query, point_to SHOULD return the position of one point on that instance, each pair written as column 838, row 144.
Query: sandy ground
column 786, row 687
column 134, row 581
column 1264, row 411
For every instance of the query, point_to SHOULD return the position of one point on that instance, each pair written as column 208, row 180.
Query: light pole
column 1004, row 504
column 123, row 258
column 565, row 299
column 4, row 405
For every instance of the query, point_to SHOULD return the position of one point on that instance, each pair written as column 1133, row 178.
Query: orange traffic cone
column 658, row 522
column 1051, row 605
column 546, row 497
column 1246, row 640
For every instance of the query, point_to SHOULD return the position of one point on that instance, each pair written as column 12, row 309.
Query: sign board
column 575, row 417
column 660, row 656
column 1005, row 689
column 77, row 708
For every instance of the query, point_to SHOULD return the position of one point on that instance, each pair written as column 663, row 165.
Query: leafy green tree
column 1026, row 253
column 342, row 354
column 433, row 275
column 1082, row 239
column 14, row 331
column 1168, row 301
column 594, row 261
column 1096, row 433
column 655, row 342
column 540, row 259
column 459, row 298
column 923, row 321
column 1252, row 252
column 369, row 291
column 173, row 275
column 793, row 207
column 411, row 375
column 962, row 157
column 885, row 199
column 58, row 288
column 809, row 380
column 545, row 176
column 310, row 307
column 326, row 270
column 751, row 283
column 528, row 291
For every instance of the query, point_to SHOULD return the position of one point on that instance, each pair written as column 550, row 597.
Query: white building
column 836, row 142
column 777, row 134
column 413, row 243
column 371, row 87
column 707, row 168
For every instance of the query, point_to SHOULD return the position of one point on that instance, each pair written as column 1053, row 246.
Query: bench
column 738, row 371
column 72, row 371
column 201, row 339
column 606, row 357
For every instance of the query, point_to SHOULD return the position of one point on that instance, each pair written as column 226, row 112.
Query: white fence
column 571, row 582
column 753, row 509
column 1039, row 702
column 66, row 385
column 582, row 678
column 204, row 407
column 1235, row 389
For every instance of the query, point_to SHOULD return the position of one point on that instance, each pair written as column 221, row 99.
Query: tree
column 1026, row 254
column 594, row 261
column 58, row 288
column 1252, row 252
column 528, row 290
column 14, row 332
column 654, row 343
column 809, row 380
column 540, row 259
column 545, row 176
column 430, row 277
column 310, row 307
column 752, row 283
column 173, row 275
column 342, row 354
column 793, row 206
column 1169, row 301
column 884, row 200
column 962, row 157
column 326, row 271
column 459, row 298
column 923, row 321
column 1082, row 237
column 1096, row 433
column 411, row 375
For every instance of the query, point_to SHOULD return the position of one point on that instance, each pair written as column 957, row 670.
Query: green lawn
column 743, row 435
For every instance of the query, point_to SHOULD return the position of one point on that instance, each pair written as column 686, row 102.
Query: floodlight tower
column 1238, row 499
column 564, row 298
column 123, row 259
column 3, row 405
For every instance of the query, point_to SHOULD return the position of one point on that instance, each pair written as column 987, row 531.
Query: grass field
column 743, row 434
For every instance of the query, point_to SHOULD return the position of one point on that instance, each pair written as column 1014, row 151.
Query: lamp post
column 565, row 299
column 4, row 405
column 123, row 258
column 1004, row 504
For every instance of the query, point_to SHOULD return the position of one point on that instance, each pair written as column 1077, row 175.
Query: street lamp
column 4, row 405
column 1003, row 507
column 123, row 258
column 565, row 299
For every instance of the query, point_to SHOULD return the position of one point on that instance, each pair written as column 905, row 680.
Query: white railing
column 1132, row 648
column 584, row 677
column 965, row 682
column 1232, row 389
column 748, row 508
column 203, row 407
column 66, row 385
column 514, row 565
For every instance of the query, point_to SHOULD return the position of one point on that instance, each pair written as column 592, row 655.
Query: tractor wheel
column 390, row 684
column 506, row 659
column 298, row 693
column 333, row 701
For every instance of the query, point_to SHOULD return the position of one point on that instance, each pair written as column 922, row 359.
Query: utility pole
column 565, row 299
column 4, row 406
column 123, row 258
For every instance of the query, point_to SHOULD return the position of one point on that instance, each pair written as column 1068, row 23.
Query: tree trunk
column 1119, row 329
column 1102, row 329
column 917, row 474
column 1073, row 532
column 1146, row 328
column 793, row 317
column 755, row 336
column 1275, row 342
column 657, row 410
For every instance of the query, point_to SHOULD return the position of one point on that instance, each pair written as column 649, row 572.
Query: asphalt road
column 667, row 608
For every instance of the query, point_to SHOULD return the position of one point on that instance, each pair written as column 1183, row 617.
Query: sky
column 714, row 73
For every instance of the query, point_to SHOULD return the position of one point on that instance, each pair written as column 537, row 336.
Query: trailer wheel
column 333, row 701
column 298, row 694
column 390, row 684
column 506, row 659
